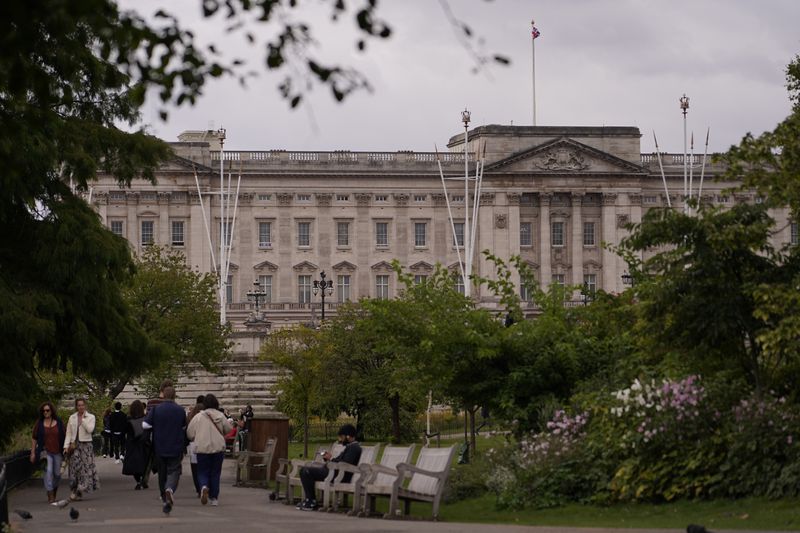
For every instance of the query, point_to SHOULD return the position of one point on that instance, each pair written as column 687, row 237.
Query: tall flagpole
column 533, row 69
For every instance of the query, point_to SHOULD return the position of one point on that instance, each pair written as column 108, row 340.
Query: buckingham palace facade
column 552, row 195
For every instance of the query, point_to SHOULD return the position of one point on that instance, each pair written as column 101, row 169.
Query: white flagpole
column 661, row 166
column 533, row 69
column 703, row 169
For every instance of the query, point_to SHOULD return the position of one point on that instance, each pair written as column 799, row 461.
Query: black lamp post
column 256, row 295
column 627, row 280
column 324, row 288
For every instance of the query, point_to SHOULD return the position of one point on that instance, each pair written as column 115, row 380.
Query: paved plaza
column 117, row 507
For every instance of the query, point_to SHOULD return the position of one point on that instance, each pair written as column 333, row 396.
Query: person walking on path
column 207, row 430
column 118, row 423
column 191, row 448
column 106, row 433
column 78, row 447
column 168, row 422
column 311, row 474
column 48, row 434
column 137, row 445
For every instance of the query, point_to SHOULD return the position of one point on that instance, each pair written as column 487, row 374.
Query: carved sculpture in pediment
column 561, row 158
column 500, row 221
column 622, row 220
column 284, row 198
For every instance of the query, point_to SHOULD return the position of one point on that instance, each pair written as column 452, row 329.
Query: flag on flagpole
column 534, row 32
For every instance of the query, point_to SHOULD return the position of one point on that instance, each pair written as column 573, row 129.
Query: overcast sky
column 598, row 62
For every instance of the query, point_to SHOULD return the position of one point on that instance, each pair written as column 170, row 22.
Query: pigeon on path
column 25, row 515
column 73, row 513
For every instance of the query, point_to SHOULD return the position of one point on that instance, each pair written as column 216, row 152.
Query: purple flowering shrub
column 762, row 457
column 655, row 441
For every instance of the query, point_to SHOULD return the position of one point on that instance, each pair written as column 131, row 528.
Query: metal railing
column 15, row 469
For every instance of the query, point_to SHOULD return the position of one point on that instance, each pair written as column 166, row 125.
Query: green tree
column 697, row 292
column 70, row 73
column 770, row 165
column 300, row 353
column 177, row 308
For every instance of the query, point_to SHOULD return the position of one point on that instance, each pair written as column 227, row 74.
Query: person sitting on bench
column 311, row 474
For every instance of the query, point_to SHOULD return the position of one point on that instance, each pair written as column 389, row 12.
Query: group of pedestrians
column 152, row 438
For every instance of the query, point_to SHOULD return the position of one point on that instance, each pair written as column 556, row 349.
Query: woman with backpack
column 137, row 446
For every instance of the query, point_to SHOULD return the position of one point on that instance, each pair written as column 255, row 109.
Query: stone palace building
column 553, row 195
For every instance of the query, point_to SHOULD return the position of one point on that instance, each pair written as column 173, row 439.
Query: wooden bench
column 427, row 479
column 289, row 470
column 333, row 485
column 259, row 460
column 378, row 479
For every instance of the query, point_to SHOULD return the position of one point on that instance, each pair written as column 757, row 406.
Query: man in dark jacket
column 311, row 474
column 168, row 421
column 117, row 422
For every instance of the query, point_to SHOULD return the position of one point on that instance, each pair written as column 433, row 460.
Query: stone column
column 132, row 200
column 611, row 281
column 545, row 255
column 577, row 240
column 164, row 236
column 200, row 255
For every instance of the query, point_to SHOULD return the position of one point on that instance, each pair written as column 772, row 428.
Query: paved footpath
column 117, row 507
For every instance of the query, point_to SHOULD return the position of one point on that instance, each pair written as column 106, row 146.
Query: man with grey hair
column 168, row 421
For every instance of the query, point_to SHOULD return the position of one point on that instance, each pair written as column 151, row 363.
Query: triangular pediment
column 344, row 265
column 266, row 265
column 305, row 266
column 382, row 265
column 564, row 156
column 177, row 163
column 421, row 266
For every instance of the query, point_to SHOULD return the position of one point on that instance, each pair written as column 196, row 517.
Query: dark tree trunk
column 305, row 435
column 116, row 388
column 394, row 403
column 472, row 433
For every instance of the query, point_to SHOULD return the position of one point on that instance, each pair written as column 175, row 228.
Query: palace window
column 343, row 288
column 148, row 230
column 795, row 236
column 117, row 227
column 343, row 233
column 589, row 284
column 525, row 234
column 558, row 279
column 303, row 197
column 420, row 234
column 557, row 233
column 177, row 233
column 265, row 234
column 459, row 283
column 419, row 198
column 382, row 234
column 304, row 289
column 588, row 234
column 342, row 197
column 264, row 197
column 420, row 279
column 304, row 234
column 381, row 198
column 382, row 286
column 459, row 230
column 265, row 287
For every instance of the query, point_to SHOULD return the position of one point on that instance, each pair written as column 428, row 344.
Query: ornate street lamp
column 324, row 288
column 627, row 279
column 256, row 295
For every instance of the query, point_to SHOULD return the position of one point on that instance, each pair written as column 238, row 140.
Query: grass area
column 750, row 514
